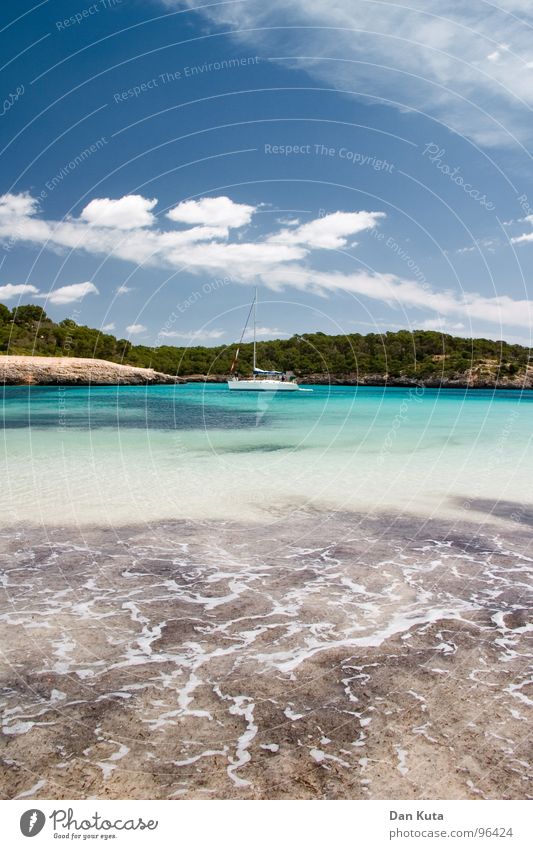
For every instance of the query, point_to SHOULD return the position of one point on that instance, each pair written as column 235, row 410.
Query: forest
column 417, row 354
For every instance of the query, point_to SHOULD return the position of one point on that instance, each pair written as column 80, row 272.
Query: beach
column 220, row 661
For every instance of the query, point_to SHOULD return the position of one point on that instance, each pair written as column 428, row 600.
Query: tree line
column 415, row 354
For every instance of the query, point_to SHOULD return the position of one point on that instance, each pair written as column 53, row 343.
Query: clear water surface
column 88, row 455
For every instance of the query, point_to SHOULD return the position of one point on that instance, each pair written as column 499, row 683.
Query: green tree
column 29, row 314
column 421, row 354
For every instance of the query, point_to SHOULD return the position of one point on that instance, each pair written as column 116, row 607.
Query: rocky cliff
column 17, row 370
column 72, row 371
column 466, row 380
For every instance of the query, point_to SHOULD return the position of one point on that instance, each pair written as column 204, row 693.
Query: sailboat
column 262, row 380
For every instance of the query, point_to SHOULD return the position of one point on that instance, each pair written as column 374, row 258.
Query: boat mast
column 255, row 324
column 236, row 357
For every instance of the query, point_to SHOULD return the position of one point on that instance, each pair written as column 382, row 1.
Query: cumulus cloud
column 18, row 205
column 525, row 237
column 277, row 260
column 14, row 290
column 125, row 213
column 69, row 294
column 218, row 212
column 467, row 64
column 202, row 246
column 330, row 231
column 63, row 295
column 123, row 290
column 107, row 328
column 133, row 329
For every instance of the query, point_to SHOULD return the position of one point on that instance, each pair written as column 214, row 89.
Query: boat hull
column 263, row 386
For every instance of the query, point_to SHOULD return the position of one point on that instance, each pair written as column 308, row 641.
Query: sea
column 123, row 454
column 212, row 594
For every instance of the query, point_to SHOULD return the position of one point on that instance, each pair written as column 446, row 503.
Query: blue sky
column 366, row 165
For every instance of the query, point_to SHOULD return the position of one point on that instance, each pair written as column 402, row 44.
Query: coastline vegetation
column 417, row 354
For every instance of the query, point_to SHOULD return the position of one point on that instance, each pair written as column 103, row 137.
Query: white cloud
column 271, row 332
column 13, row 290
column 289, row 222
column 402, row 293
column 217, row 212
column 442, row 324
column 278, row 260
column 201, row 334
column 19, row 205
column 197, row 248
column 525, row 237
column 487, row 244
column 107, row 328
column 463, row 63
column 69, row 294
column 125, row 213
column 123, row 290
column 192, row 334
column 135, row 328
column 330, row 231
column 245, row 260
column 63, row 295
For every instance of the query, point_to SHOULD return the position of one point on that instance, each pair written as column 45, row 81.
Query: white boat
column 262, row 384
column 262, row 380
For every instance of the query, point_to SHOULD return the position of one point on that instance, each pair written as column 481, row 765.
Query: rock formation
column 71, row 371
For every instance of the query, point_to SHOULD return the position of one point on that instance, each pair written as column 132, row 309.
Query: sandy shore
column 198, row 660
column 65, row 371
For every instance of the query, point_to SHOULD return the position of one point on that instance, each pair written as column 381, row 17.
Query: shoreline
column 26, row 370
column 19, row 370
column 391, row 383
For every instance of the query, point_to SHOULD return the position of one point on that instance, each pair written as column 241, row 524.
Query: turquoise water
column 128, row 454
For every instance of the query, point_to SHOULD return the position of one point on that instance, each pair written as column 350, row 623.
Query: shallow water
column 122, row 454
column 197, row 660
column 324, row 595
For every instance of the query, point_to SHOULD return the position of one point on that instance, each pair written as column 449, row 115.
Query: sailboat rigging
column 262, row 380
